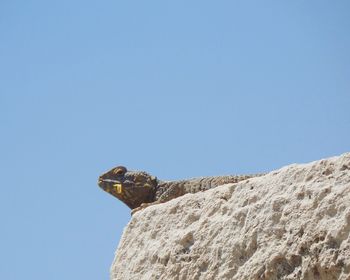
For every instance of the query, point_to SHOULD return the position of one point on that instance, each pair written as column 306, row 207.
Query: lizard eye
column 120, row 170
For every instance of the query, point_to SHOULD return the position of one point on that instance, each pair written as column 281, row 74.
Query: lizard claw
column 133, row 211
column 143, row 206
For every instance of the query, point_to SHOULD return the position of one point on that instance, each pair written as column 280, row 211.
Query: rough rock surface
column 292, row 223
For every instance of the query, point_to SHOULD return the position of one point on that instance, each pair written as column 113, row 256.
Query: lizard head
column 131, row 187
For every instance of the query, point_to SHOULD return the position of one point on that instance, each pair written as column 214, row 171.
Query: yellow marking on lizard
column 118, row 187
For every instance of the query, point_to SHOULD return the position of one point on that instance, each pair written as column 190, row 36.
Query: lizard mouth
column 115, row 183
column 100, row 180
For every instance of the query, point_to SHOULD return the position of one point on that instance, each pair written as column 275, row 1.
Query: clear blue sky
column 177, row 88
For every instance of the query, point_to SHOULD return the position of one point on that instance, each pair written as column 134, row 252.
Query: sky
column 179, row 89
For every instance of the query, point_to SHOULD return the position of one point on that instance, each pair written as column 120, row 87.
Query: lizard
column 138, row 189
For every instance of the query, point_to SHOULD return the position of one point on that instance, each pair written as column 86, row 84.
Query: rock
column 293, row 223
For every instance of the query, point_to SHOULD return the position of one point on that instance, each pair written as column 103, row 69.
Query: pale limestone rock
column 292, row 223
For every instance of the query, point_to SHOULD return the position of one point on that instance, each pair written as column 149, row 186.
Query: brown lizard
column 138, row 189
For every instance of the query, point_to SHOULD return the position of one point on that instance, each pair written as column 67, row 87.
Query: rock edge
column 292, row 223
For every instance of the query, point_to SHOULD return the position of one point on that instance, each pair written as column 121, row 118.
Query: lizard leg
column 172, row 191
column 143, row 206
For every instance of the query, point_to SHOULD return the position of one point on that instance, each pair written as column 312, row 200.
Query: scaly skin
column 138, row 189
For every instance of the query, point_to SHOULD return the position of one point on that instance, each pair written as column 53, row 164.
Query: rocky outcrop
column 293, row 223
